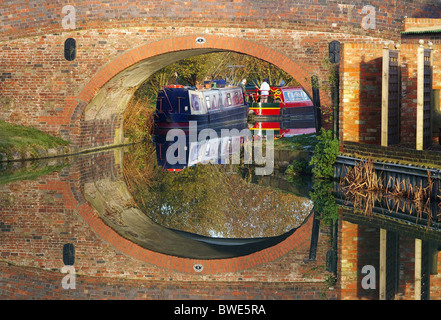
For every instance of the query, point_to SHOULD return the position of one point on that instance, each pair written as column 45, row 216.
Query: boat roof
column 174, row 87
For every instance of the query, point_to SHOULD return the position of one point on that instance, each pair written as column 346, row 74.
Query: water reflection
column 392, row 212
column 88, row 201
column 285, row 127
column 394, row 192
column 204, row 195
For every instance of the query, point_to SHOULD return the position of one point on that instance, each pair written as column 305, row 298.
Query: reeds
column 138, row 120
column 364, row 188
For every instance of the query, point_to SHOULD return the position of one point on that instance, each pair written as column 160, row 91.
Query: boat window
column 305, row 96
column 240, row 97
column 195, row 102
column 236, row 98
column 228, row 102
column 293, row 96
column 213, row 102
column 207, row 100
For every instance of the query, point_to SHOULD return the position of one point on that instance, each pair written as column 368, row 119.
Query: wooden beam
column 383, row 242
column 420, row 98
column 418, row 265
column 385, row 98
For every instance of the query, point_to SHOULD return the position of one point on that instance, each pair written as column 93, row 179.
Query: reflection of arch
column 295, row 241
column 223, row 257
column 120, row 77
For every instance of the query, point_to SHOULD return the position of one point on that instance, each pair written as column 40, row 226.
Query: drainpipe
column 316, row 102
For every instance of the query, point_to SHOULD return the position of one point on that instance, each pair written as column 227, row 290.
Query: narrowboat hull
column 219, row 118
column 280, row 109
column 196, row 151
column 282, row 102
column 284, row 127
column 178, row 107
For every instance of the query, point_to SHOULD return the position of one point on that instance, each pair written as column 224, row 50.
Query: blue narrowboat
column 213, row 150
column 178, row 105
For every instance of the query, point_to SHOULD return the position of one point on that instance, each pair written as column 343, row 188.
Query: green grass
column 28, row 173
column 16, row 138
column 298, row 142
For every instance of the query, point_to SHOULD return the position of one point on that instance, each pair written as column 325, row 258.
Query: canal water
column 135, row 190
column 207, row 206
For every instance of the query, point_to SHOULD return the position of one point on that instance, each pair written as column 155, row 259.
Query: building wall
column 359, row 246
column 361, row 91
column 41, row 89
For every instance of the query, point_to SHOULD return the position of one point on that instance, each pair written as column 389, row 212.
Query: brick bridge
column 119, row 45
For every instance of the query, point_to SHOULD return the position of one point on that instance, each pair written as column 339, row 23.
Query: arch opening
column 105, row 98
column 107, row 95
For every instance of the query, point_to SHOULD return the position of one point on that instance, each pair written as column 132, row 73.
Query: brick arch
column 294, row 68
column 297, row 241
column 298, row 70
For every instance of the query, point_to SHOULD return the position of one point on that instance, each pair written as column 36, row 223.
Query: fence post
column 420, row 98
column 385, row 97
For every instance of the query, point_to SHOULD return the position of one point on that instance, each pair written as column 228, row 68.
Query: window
column 213, row 103
column 70, row 49
column 68, row 254
column 292, row 96
column 334, row 52
column 207, row 100
column 228, row 102
column 236, row 98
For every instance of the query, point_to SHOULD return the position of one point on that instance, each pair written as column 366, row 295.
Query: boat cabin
column 178, row 105
column 282, row 101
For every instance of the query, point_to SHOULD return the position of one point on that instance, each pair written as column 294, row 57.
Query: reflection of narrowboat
column 284, row 127
column 178, row 105
column 282, row 101
column 213, row 150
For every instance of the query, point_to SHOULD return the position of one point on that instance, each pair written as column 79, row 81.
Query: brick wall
column 409, row 70
column 31, row 283
column 361, row 91
column 392, row 153
column 40, row 88
column 20, row 19
column 40, row 216
column 420, row 23
column 359, row 246
column 52, row 94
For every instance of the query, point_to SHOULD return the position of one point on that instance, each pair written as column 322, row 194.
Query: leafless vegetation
column 364, row 188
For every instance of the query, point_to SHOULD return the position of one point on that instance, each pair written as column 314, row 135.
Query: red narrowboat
column 282, row 101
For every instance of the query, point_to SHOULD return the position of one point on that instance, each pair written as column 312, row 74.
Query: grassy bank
column 16, row 139
column 298, row 142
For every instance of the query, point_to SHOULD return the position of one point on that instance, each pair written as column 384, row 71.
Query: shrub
column 297, row 168
column 324, row 156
